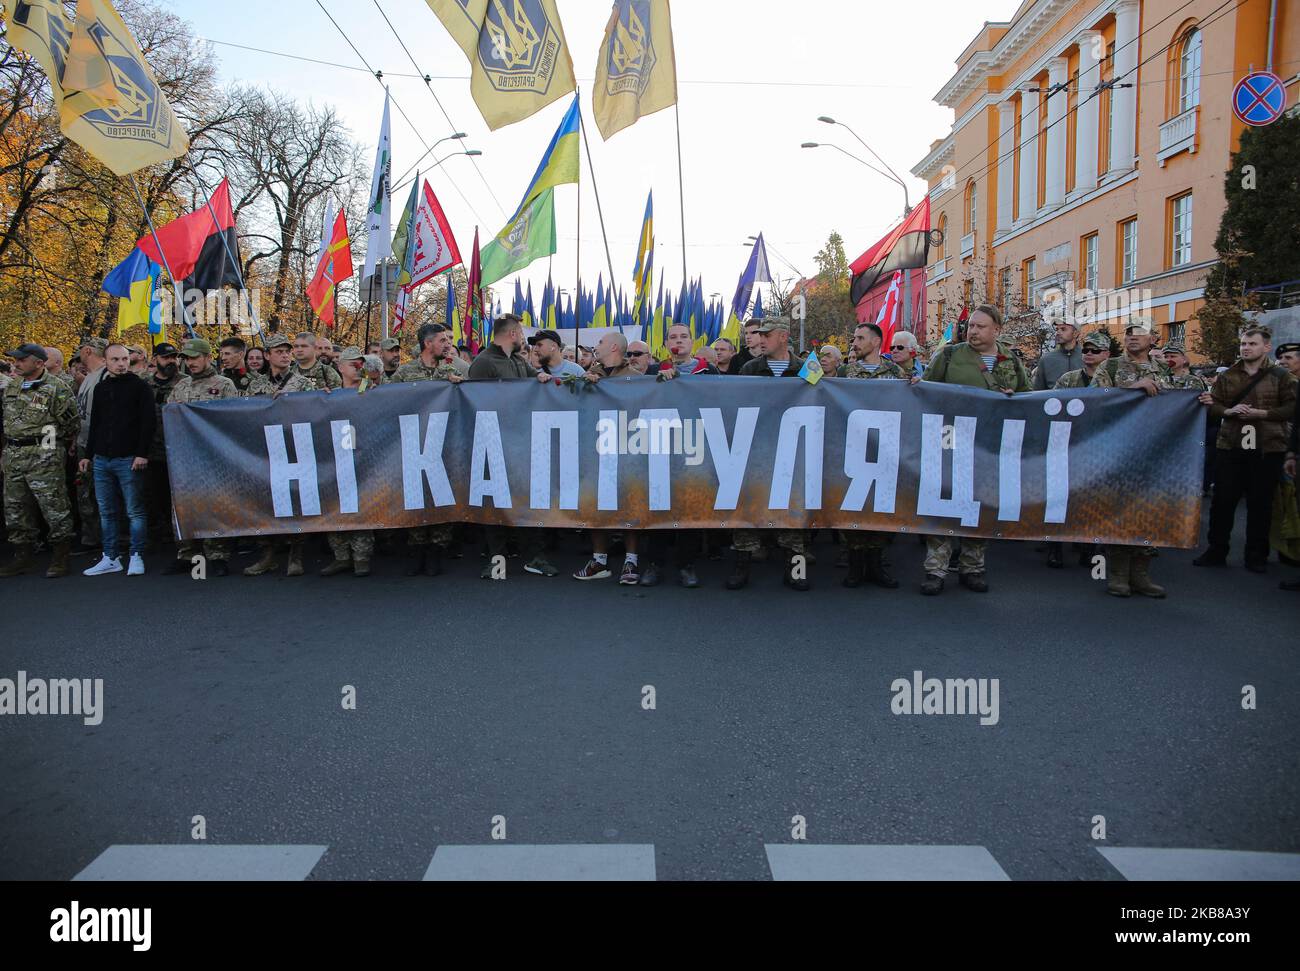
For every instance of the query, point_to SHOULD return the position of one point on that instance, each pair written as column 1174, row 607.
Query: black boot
column 801, row 584
column 857, row 569
column 740, row 572
column 417, row 555
column 433, row 561
column 876, row 571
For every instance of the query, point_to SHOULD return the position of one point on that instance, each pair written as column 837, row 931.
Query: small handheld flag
column 811, row 370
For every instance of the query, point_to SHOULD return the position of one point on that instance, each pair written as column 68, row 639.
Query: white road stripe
column 826, row 861
column 562, row 861
column 201, row 861
column 1153, row 863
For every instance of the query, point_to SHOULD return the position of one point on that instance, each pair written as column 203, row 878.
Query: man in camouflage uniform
column 158, row 490
column 1096, row 351
column 279, row 361
column 92, row 360
column 247, row 383
column 981, row 361
column 1180, row 370
column 40, row 420
column 354, row 548
column 1128, row 567
column 428, row 543
column 390, row 351
column 201, row 383
column 310, row 373
column 867, row 547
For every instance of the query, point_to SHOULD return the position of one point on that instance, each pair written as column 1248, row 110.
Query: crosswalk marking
column 828, row 861
column 566, row 861
column 201, row 861
column 1154, row 863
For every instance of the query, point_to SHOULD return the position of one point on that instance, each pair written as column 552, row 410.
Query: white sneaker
column 105, row 565
column 137, row 566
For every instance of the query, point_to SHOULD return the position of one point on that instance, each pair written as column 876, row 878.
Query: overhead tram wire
column 378, row 76
column 438, row 101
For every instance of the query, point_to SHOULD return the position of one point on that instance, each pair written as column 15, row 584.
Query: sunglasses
column 899, row 347
column 1092, row 350
column 637, row 353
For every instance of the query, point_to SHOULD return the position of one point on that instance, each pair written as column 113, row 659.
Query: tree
column 1262, row 190
column 832, row 264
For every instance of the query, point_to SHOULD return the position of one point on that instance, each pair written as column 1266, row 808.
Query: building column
column 1054, row 177
column 1006, row 165
column 1028, row 156
column 1123, row 101
column 1088, row 118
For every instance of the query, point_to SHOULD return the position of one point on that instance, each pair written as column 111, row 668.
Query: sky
column 753, row 77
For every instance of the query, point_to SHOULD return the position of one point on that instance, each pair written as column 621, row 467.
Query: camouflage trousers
column 213, row 549
column 1147, row 551
column 438, row 534
column 34, row 476
column 938, row 550
column 863, row 539
column 87, row 506
column 355, row 544
column 751, row 540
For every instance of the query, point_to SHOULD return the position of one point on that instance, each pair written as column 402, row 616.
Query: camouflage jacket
column 162, row 392
column 248, row 384
column 28, row 412
column 1188, row 380
column 207, row 386
column 274, row 384
column 417, row 371
column 1123, row 372
column 887, row 369
column 962, row 364
column 319, row 377
column 1077, row 378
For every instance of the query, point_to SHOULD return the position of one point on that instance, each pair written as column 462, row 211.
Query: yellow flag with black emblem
column 109, row 101
column 636, row 74
column 519, row 60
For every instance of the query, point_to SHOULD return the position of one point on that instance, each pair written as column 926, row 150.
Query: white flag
column 435, row 246
column 379, row 217
column 327, row 229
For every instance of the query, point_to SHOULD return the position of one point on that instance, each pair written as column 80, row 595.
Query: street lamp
column 907, row 205
column 454, row 136
column 469, row 151
column 852, row 156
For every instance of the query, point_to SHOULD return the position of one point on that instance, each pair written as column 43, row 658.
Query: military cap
column 545, row 335
column 390, row 344
column 27, row 350
column 769, row 324
column 276, row 340
column 98, row 343
column 1140, row 325
column 1177, row 345
column 1098, row 340
column 195, row 347
column 165, row 350
column 351, row 354
column 1286, row 349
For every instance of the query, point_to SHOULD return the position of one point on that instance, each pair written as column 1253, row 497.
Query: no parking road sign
column 1259, row 98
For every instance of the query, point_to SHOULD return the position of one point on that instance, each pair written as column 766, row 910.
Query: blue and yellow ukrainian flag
column 643, row 272
column 133, row 281
column 559, row 162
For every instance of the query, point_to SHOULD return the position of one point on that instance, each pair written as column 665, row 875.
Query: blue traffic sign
column 1259, row 98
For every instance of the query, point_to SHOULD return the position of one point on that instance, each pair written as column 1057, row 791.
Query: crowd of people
column 84, row 445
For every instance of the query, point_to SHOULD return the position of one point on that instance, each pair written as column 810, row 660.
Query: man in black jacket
column 117, row 448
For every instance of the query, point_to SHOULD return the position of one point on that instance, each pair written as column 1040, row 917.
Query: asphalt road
column 524, row 700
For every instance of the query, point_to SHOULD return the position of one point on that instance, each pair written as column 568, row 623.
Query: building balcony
column 1178, row 134
column 937, row 270
column 968, row 245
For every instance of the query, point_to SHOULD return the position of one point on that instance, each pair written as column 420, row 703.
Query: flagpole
column 577, row 288
column 229, row 255
column 681, row 184
column 176, row 286
column 592, row 169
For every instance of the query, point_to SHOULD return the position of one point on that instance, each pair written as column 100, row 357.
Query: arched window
column 1189, row 71
column 972, row 206
column 943, row 230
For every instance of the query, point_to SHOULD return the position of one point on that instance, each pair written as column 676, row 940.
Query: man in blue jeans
column 117, row 449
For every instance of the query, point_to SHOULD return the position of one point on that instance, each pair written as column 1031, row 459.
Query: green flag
column 528, row 238
column 402, row 248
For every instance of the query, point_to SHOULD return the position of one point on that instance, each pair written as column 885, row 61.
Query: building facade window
column 1128, row 251
column 1180, row 230
column 1189, row 71
column 1030, row 267
column 1177, row 330
column 1088, row 261
column 943, row 237
column 972, row 207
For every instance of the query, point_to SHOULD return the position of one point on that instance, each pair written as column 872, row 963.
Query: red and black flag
column 195, row 244
column 474, row 313
column 906, row 247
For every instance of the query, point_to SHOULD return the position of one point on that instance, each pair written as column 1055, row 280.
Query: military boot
column 857, row 569
column 418, row 556
column 740, row 572
column 295, row 560
column 336, row 567
column 876, row 571
column 1140, row 581
column 59, row 560
column 1118, row 564
column 21, row 563
column 433, row 561
column 361, row 568
column 265, row 564
column 796, row 583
